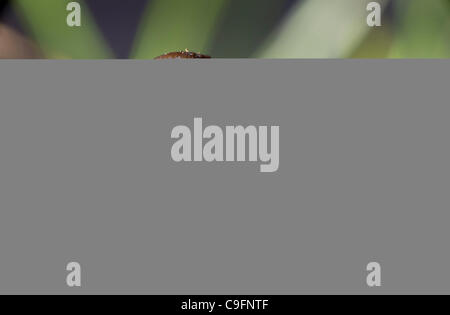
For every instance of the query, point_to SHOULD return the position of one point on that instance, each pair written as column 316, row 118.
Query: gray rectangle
column 86, row 176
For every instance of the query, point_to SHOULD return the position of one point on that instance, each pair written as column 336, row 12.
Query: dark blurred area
column 13, row 44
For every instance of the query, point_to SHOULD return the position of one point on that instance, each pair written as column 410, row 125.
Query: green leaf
column 46, row 20
column 175, row 25
column 245, row 26
column 423, row 29
column 320, row 29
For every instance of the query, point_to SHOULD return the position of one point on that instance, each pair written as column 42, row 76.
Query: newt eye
column 183, row 55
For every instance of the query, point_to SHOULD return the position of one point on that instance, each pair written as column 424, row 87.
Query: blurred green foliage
column 46, row 21
column 423, row 29
column 173, row 25
column 320, row 29
column 252, row 28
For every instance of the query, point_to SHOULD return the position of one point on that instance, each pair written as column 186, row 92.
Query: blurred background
column 144, row 29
